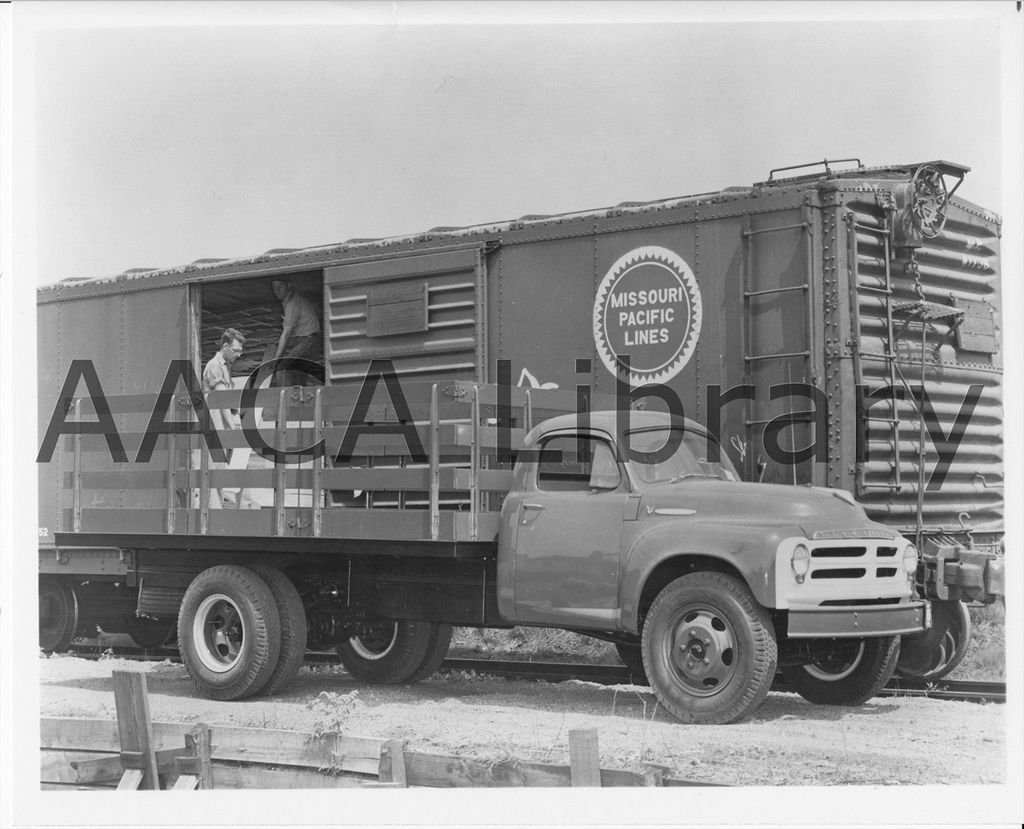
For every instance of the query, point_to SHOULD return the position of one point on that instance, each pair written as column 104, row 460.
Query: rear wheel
column 58, row 613
column 437, row 650
column 229, row 632
column 936, row 652
column 293, row 628
column 849, row 671
column 709, row 649
column 387, row 652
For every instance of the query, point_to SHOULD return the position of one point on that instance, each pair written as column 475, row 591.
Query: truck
column 690, row 427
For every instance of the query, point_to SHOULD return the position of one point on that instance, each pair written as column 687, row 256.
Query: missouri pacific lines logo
column 648, row 309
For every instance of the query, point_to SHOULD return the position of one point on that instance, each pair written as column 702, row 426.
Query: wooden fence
column 133, row 752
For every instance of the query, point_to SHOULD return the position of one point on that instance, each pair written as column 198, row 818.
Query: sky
column 156, row 145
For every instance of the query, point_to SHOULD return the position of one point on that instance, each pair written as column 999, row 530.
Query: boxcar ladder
column 749, row 357
column 888, row 351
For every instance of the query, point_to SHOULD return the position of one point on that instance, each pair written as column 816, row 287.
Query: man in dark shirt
column 300, row 332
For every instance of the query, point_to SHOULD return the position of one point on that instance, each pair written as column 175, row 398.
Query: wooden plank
column 461, row 434
column 64, row 787
column 456, row 772
column 392, row 762
column 584, row 757
column 410, row 524
column 557, row 401
column 488, row 480
column 140, row 520
column 488, row 525
column 678, row 781
column 233, row 776
column 131, row 780
column 133, row 723
column 256, row 745
column 119, row 479
column 185, row 782
column 111, row 766
column 56, row 766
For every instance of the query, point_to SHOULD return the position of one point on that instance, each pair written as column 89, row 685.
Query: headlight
column 910, row 559
column 801, row 562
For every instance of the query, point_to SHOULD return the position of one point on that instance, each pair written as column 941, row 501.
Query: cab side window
column 585, row 465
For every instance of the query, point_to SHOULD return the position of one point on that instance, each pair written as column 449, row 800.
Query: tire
column 391, row 654
column 229, row 632
column 939, row 650
column 58, row 614
column 437, row 650
column 632, row 657
column 151, row 633
column 709, row 649
column 851, row 675
column 293, row 628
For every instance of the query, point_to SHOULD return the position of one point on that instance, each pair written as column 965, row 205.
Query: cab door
column 569, row 534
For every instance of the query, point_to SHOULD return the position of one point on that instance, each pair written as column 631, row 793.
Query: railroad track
column 956, row 690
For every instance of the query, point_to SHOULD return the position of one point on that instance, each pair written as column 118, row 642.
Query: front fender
column 748, row 550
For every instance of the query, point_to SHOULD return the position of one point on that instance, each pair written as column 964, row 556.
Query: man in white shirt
column 217, row 377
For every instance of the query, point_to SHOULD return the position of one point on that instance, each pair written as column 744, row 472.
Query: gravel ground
column 787, row 741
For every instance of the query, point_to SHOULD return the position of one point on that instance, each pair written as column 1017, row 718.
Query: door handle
column 533, row 506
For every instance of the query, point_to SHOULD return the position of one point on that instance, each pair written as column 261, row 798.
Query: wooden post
column 584, row 759
column 197, row 742
column 76, row 474
column 172, row 495
column 204, row 488
column 474, row 469
column 280, row 468
column 392, row 762
column 318, row 464
column 654, row 775
column 134, row 730
column 435, row 465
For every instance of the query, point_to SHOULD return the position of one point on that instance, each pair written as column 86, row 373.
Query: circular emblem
column 648, row 310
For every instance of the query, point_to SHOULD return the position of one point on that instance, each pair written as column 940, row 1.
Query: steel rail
column 952, row 690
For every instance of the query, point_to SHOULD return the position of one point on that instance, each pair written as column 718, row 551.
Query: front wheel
column 848, row 672
column 709, row 649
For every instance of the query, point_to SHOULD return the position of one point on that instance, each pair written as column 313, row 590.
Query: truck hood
column 703, row 499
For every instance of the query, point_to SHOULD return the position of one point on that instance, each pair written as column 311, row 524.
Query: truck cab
column 640, row 529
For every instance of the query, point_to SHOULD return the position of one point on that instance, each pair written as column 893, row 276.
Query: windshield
column 688, row 461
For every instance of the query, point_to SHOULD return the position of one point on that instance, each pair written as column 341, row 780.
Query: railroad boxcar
column 838, row 329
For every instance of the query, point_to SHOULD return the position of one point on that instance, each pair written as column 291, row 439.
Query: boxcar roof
column 291, row 259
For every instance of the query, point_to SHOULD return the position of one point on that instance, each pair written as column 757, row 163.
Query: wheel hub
column 838, row 663
column 703, row 651
column 219, row 633
column 375, row 641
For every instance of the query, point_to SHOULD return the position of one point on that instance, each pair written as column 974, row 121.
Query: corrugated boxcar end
column 957, row 269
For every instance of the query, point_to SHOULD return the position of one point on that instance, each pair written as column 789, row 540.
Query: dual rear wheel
column 243, row 631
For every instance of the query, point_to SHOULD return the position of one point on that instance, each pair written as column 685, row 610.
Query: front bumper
column 854, row 621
